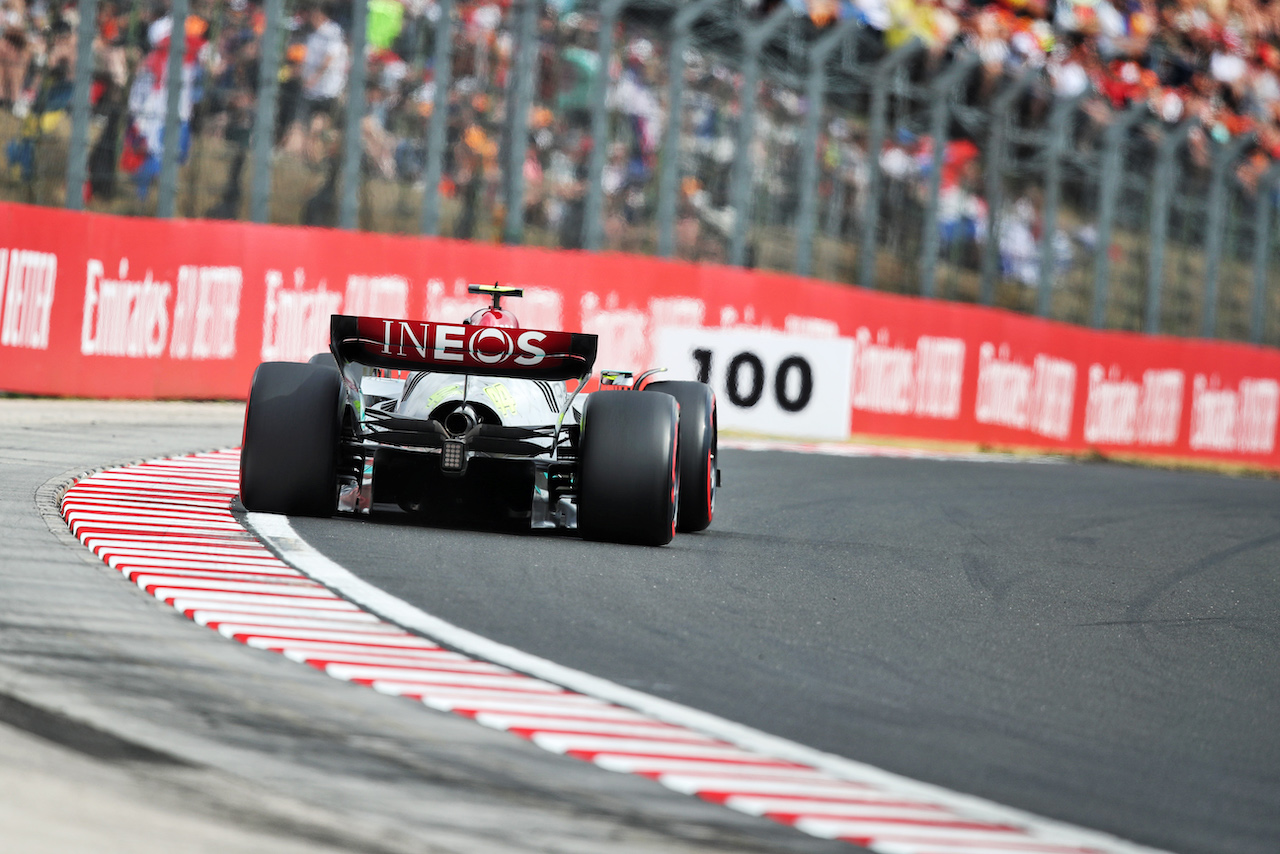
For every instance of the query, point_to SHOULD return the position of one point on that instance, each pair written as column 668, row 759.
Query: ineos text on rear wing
column 419, row 345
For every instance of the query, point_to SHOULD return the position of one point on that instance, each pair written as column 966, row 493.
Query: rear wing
column 419, row 345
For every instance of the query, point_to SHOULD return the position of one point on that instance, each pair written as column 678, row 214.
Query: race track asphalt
column 1095, row 643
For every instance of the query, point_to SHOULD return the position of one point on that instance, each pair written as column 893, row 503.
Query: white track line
column 195, row 556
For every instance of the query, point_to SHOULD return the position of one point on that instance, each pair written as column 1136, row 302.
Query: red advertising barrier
column 101, row 306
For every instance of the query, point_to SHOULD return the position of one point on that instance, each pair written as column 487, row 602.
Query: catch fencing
column 707, row 134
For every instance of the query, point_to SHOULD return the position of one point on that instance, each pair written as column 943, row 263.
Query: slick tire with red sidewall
column 292, row 423
column 628, row 480
column 698, row 451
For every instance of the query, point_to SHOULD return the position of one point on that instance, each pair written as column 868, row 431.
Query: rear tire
column 628, row 481
column 324, row 359
column 292, row 424
column 699, row 452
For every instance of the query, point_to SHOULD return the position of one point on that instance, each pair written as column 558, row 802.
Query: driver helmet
column 494, row 317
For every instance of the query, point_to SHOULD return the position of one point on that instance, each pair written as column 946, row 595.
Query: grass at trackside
column 1221, row 467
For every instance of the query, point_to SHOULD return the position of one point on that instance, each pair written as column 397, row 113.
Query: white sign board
column 765, row 382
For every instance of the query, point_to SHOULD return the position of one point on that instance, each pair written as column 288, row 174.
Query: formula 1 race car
column 477, row 421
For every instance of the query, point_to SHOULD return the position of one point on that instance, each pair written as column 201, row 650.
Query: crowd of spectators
column 1216, row 61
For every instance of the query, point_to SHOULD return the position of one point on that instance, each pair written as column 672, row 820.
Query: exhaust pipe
column 460, row 420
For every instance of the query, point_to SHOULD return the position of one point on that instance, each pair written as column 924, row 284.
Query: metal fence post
column 1063, row 110
column 1224, row 156
column 524, row 70
column 172, row 125
column 993, row 172
column 940, row 91
column 593, row 204
column 835, row 210
column 875, row 141
column 1162, row 192
column 1108, row 200
column 349, row 205
column 1268, row 186
column 264, row 119
column 815, row 94
column 740, row 178
column 78, row 150
column 442, row 66
column 668, row 168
